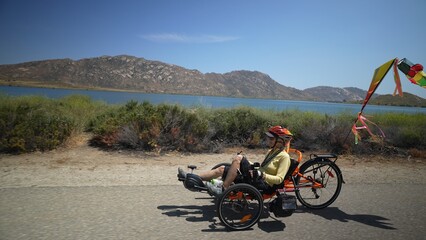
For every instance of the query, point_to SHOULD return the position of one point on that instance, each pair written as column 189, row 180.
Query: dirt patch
column 81, row 165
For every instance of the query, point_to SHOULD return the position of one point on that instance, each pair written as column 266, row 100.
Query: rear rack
column 327, row 155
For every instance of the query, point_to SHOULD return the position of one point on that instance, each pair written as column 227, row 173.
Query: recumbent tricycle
column 316, row 184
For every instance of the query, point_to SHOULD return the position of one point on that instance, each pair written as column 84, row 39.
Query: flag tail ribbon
column 397, row 79
column 363, row 121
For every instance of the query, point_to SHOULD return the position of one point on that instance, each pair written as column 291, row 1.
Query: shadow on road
column 207, row 213
column 334, row 213
column 267, row 223
column 195, row 213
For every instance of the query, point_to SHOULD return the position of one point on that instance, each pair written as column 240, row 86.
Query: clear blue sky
column 299, row 44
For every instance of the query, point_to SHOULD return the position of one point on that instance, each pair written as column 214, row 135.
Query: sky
column 298, row 43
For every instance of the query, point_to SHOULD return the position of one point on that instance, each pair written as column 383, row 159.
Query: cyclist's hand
column 239, row 157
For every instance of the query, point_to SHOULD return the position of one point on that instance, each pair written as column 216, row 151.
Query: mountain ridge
column 129, row 73
column 138, row 74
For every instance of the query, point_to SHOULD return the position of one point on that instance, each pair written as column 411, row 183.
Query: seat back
column 293, row 165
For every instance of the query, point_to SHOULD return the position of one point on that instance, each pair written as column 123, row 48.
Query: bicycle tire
column 326, row 173
column 240, row 206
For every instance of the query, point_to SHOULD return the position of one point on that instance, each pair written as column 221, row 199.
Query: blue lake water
column 208, row 101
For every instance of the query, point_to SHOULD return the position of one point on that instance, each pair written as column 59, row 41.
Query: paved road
column 366, row 211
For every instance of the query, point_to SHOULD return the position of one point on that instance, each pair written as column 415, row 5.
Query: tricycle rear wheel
column 320, row 185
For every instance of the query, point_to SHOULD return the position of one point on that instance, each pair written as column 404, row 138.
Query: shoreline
column 25, row 84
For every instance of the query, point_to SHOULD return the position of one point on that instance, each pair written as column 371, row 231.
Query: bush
column 238, row 126
column 403, row 130
column 38, row 123
column 31, row 123
column 145, row 126
column 115, row 126
column 81, row 109
column 182, row 130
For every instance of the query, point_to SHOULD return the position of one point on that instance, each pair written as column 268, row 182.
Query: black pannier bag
column 283, row 205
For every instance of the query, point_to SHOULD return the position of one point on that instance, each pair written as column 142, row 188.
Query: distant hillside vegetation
column 407, row 100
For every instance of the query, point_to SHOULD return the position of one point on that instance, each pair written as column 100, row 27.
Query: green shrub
column 403, row 130
column 145, row 126
column 182, row 129
column 107, row 126
column 241, row 125
column 36, row 123
column 31, row 123
column 81, row 109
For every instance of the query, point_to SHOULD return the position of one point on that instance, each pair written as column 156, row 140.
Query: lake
column 112, row 97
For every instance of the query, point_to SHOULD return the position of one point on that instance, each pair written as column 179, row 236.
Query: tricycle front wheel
column 240, row 206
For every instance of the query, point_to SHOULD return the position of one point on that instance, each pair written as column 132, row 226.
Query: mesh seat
column 293, row 165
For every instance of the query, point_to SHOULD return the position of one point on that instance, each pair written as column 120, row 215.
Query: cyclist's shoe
column 216, row 189
column 181, row 174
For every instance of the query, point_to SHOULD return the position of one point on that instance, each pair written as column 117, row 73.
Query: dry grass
column 416, row 153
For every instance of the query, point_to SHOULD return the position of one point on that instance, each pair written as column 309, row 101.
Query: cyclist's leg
column 239, row 166
column 212, row 174
column 232, row 173
column 239, row 170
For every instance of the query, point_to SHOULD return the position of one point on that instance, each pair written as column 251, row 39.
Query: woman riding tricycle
column 241, row 187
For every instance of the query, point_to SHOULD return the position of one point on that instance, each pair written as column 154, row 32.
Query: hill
column 407, row 100
column 332, row 94
column 128, row 73
column 138, row 74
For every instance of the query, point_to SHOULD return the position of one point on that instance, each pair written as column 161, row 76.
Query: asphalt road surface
column 362, row 211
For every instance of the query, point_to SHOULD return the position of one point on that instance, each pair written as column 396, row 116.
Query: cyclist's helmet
column 279, row 132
